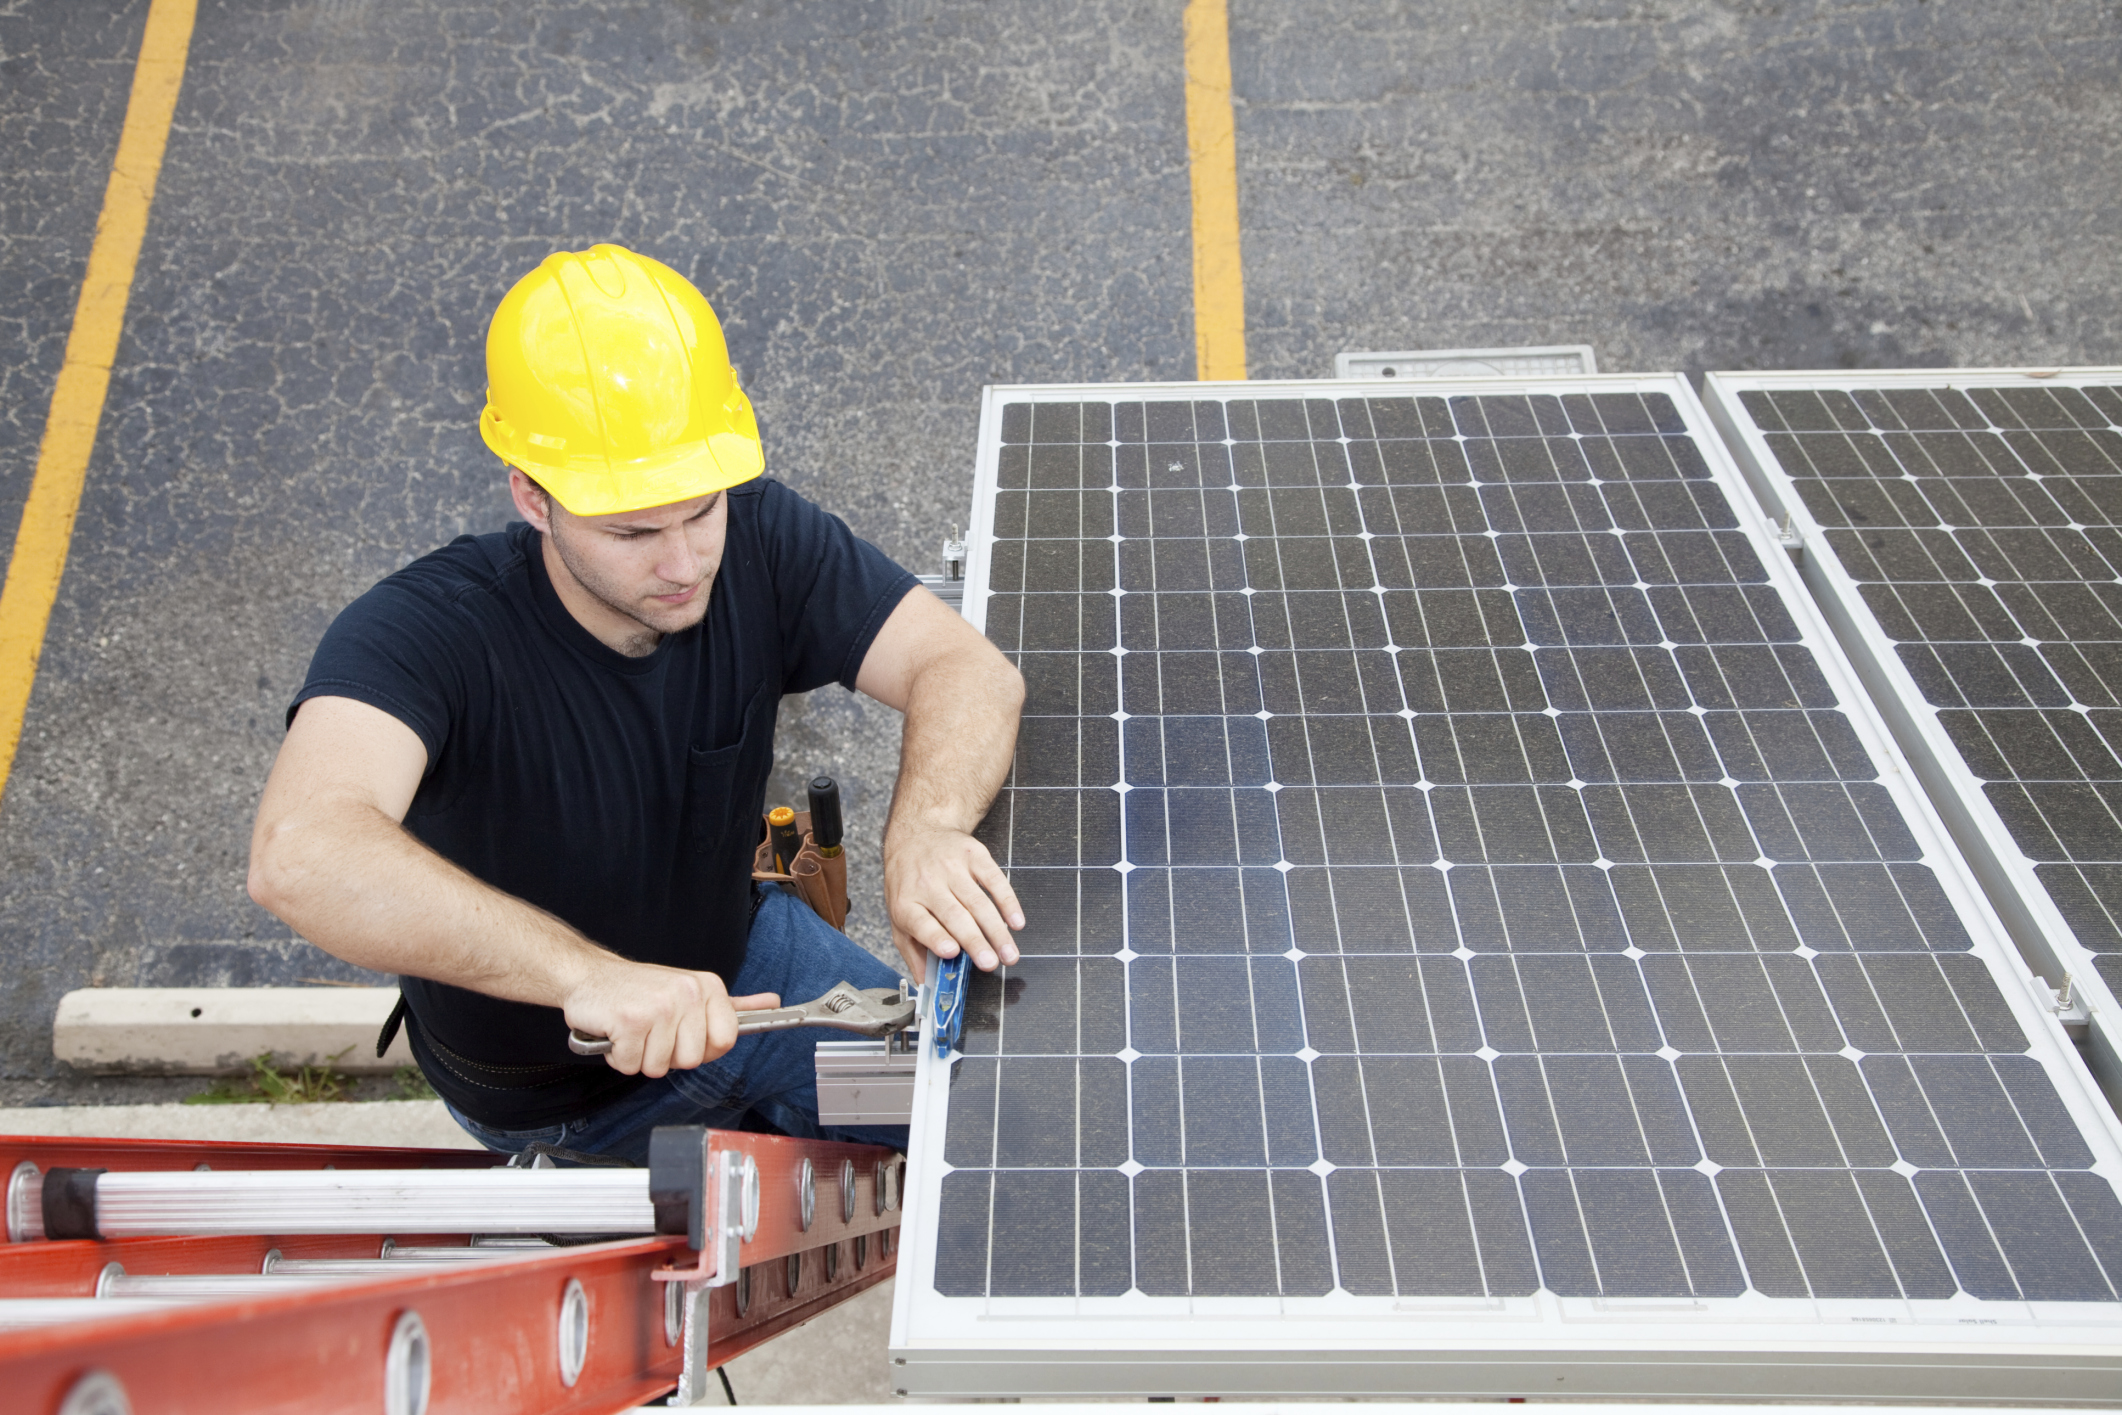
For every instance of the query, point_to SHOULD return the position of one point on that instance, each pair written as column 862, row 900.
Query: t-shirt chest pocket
column 725, row 784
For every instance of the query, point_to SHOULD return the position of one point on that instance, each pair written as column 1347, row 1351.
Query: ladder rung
column 360, row 1267
column 206, row 1287
column 472, row 1253
column 524, row 1201
column 19, row 1312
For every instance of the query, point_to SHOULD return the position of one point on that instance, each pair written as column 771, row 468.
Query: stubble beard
column 615, row 598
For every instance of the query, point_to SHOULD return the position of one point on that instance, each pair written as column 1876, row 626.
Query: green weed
column 269, row 1085
column 412, row 1086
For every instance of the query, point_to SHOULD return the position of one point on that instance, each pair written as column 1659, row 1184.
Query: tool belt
column 819, row 880
column 503, row 1078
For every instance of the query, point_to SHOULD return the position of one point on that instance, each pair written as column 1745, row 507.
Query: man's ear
column 533, row 501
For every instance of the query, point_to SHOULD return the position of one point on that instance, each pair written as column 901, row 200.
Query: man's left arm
column 961, row 699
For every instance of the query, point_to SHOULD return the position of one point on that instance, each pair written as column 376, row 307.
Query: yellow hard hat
column 609, row 385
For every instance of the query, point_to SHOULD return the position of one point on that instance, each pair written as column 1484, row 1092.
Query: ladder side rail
column 490, row 1335
column 486, row 1309
column 325, row 1348
column 780, row 1163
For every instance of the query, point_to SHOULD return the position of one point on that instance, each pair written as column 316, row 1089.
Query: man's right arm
column 330, row 857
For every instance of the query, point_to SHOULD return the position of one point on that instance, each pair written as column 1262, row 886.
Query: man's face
column 654, row 567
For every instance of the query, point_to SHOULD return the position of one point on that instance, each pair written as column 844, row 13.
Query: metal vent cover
column 1540, row 361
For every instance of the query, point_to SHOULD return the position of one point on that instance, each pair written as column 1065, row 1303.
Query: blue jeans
column 793, row 952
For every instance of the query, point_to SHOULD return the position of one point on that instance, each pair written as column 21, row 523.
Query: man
column 526, row 771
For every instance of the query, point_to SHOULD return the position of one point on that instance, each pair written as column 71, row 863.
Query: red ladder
column 753, row 1235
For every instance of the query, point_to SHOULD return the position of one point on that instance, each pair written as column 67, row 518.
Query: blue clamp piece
column 950, row 1004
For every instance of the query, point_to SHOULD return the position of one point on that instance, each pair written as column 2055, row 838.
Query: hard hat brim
column 598, row 487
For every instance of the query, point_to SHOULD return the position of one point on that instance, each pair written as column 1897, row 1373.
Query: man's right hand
column 659, row 1019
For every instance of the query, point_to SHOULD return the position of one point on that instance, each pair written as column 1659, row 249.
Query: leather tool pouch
column 818, row 881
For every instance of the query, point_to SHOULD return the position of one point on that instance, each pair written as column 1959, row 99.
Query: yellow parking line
column 1212, row 155
column 39, row 557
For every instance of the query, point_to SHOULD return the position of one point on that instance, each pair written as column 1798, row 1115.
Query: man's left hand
column 945, row 894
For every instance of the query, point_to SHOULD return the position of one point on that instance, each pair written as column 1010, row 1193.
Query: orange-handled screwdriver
column 788, row 841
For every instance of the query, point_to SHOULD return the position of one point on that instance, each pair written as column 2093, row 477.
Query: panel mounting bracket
column 2068, row 1005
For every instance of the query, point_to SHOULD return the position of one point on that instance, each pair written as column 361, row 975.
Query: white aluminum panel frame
column 1750, row 1346
column 2047, row 944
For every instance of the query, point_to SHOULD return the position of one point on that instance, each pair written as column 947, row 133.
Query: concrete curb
column 216, row 1031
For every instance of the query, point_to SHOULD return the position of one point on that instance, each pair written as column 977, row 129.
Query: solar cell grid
column 1982, row 528
column 1451, row 874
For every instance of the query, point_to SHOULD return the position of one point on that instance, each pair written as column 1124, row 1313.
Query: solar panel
column 1480, row 938
column 1966, row 528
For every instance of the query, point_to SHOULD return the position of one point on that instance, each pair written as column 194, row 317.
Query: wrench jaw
column 871, row 1012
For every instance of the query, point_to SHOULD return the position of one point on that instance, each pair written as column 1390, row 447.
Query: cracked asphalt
column 892, row 203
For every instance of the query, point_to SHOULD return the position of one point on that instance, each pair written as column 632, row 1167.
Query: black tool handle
column 825, row 813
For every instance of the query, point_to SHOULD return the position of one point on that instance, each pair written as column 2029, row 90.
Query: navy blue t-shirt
column 620, row 794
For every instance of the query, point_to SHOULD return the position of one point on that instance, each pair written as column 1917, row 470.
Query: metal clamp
column 950, row 585
column 954, row 555
column 736, row 1212
column 2069, row 1008
column 949, row 1015
column 709, row 1195
column 734, row 1221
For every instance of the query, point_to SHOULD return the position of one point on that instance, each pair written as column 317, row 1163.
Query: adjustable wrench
column 873, row 1012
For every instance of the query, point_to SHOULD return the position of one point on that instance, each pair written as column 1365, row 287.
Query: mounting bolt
column 954, row 555
column 2069, row 1009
